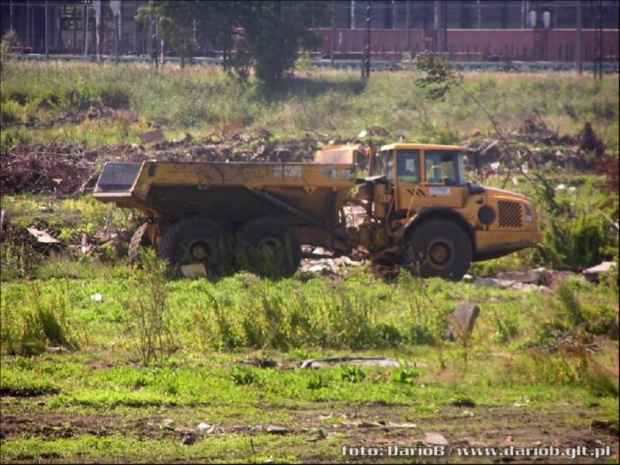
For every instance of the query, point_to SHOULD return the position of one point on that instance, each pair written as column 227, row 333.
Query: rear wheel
column 268, row 248
column 440, row 248
column 195, row 240
column 139, row 240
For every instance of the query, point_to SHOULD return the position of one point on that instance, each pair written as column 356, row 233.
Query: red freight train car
column 556, row 45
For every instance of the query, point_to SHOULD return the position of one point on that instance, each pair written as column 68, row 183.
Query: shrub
column 244, row 376
column 37, row 321
column 149, row 313
column 574, row 243
column 17, row 260
column 80, row 97
column 352, row 373
column 600, row 381
column 387, row 335
column 319, row 381
column 115, row 97
column 11, row 137
column 47, row 98
column 10, row 112
column 407, row 375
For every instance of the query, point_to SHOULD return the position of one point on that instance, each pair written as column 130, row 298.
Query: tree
column 176, row 23
column 269, row 32
column 275, row 31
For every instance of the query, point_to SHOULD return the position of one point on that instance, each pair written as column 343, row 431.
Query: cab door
column 407, row 176
column 443, row 183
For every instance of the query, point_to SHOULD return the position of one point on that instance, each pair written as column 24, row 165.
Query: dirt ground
column 356, row 426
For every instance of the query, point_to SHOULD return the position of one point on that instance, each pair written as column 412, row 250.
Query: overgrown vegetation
column 205, row 100
column 122, row 362
column 33, row 321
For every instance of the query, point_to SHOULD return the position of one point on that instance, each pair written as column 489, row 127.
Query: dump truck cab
column 420, row 195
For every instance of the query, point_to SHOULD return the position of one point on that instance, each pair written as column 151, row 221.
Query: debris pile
column 57, row 168
column 67, row 170
column 536, row 146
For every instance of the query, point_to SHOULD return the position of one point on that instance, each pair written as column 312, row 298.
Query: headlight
column 529, row 216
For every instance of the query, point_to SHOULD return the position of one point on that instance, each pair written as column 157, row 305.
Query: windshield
column 384, row 165
column 445, row 167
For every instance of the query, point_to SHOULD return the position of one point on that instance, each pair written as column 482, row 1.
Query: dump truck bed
column 297, row 193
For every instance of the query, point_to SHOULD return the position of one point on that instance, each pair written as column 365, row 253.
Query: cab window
column 442, row 166
column 408, row 166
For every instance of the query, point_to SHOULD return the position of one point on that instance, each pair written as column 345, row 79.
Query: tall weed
column 35, row 321
column 149, row 318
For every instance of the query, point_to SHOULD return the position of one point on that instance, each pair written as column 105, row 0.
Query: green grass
column 337, row 103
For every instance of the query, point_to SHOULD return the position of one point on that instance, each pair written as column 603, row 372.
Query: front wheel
column 440, row 248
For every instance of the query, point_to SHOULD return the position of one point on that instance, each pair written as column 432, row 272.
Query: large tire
column 195, row 240
column 139, row 240
column 268, row 248
column 440, row 248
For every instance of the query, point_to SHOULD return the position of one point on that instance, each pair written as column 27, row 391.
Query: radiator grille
column 509, row 214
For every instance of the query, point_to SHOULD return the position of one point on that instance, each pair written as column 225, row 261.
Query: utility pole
column 444, row 26
column 579, row 41
column 151, row 35
column 333, row 38
column 85, row 16
column 135, row 29
column 366, row 61
column 440, row 25
column 47, row 31
column 11, row 15
column 598, row 66
column 408, row 25
column 115, row 5
column 28, row 44
column 98, row 12
column 74, row 20
column 353, row 14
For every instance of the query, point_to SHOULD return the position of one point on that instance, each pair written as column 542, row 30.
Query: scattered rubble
column 462, row 321
column 538, row 279
column 594, row 274
column 42, row 236
column 365, row 361
column 66, row 170
column 329, row 266
column 538, row 147
column 206, row 428
column 56, row 168
column 196, row 270
column 539, row 276
column 275, row 429
column 435, row 439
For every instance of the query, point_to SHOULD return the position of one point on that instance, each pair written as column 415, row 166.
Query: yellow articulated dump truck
column 414, row 206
